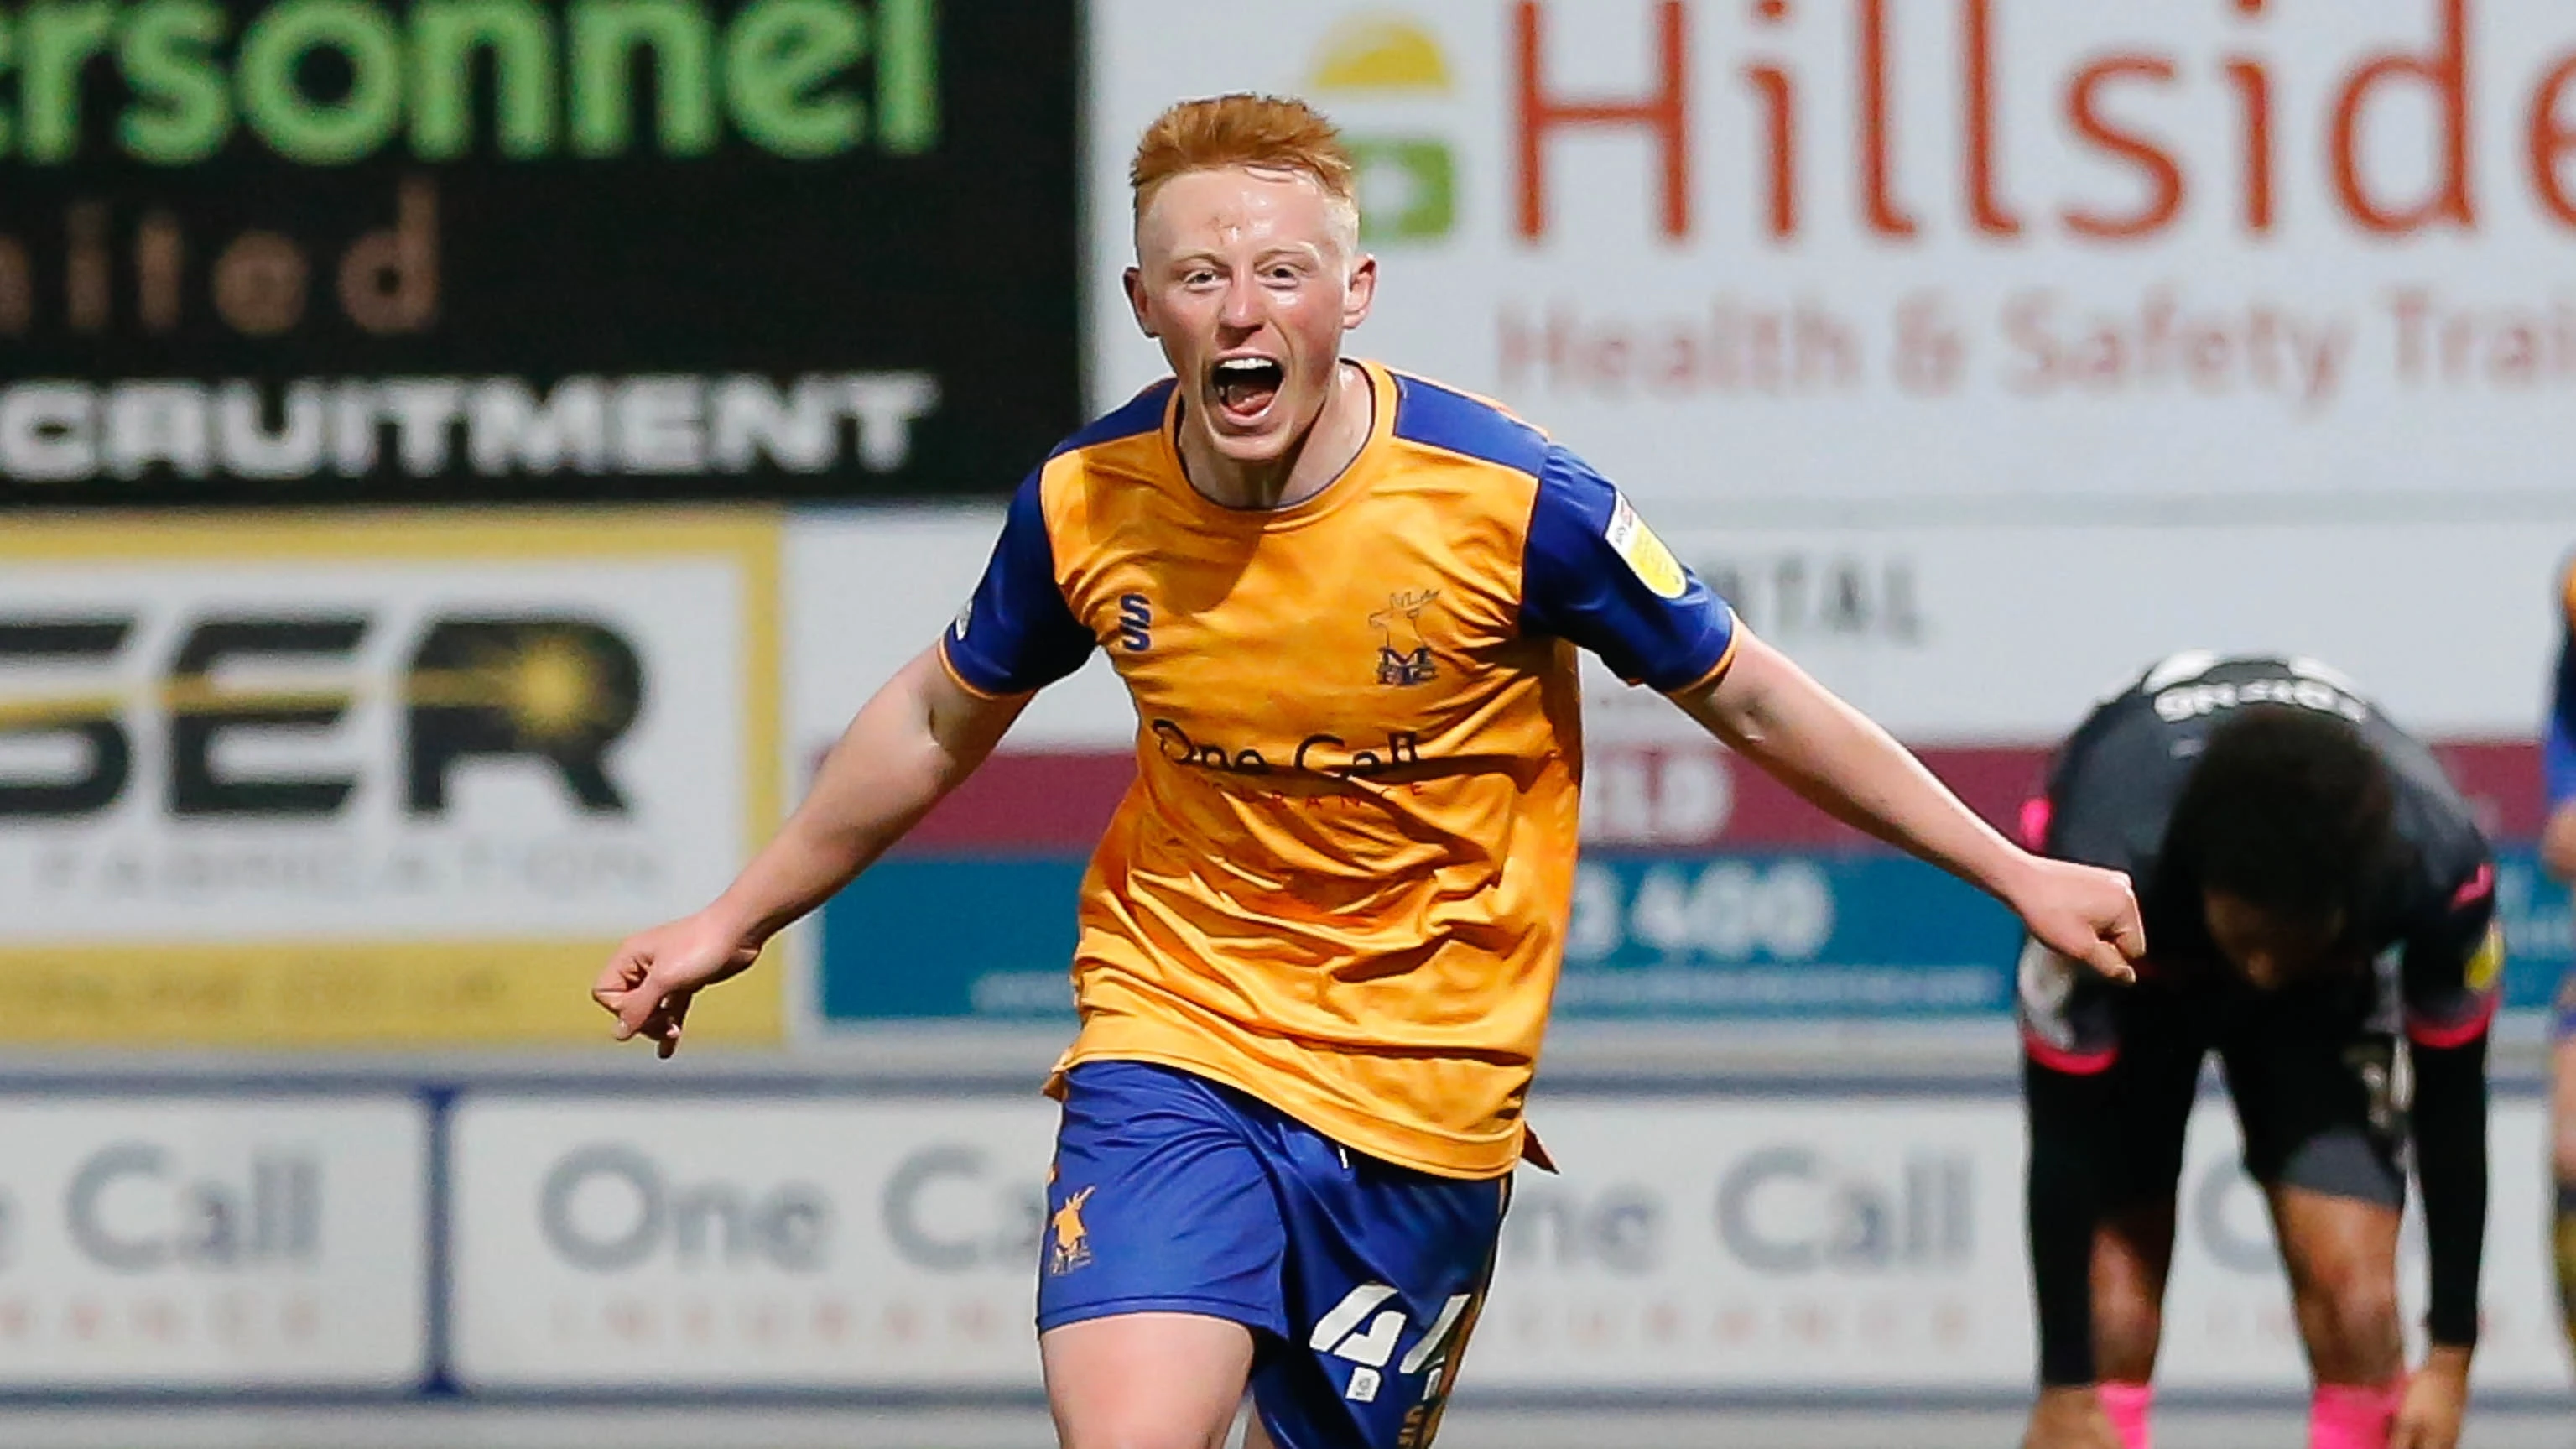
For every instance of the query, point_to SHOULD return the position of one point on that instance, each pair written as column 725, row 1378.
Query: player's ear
column 1134, row 281
column 1360, row 292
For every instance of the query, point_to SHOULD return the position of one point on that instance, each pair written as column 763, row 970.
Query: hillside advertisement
column 1958, row 259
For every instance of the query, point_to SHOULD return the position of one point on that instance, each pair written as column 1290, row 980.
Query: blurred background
column 462, row 461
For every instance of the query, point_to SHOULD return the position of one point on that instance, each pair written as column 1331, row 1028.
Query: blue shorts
column 1359, row 1279
column 2562, row 1014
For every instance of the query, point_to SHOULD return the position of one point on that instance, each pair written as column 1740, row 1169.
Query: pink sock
column 2128, row 1406
column 2353, row 1416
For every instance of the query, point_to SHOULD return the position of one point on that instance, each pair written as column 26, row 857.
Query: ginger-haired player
column 1318, row 939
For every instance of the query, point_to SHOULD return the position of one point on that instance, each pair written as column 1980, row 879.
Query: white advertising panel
column 745, row 1242
column 1964, row 252
column 1692, row 1244
column 2010, row 632
column 2227, row 1312
column 867, row 590
column 1708, row 1244
column 1877, row 1243
column 150, row 1243
column 375, row 776
column 1959, row 633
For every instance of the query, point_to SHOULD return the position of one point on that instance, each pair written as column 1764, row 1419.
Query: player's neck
column 1308, row 467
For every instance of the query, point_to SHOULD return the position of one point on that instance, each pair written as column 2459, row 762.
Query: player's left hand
column 2436, row 1398
column 2083, row 913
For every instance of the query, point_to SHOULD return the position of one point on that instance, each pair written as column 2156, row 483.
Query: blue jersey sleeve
column 2558, row 742
column 1016, row 634
column 2558, row 747
column 1594, row 573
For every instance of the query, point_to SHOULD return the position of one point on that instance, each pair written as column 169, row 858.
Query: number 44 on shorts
column 1339, row 1333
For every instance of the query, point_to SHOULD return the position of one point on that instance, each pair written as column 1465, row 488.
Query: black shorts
column 2315, row 1074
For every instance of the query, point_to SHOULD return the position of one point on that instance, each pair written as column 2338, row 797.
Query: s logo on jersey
column 1402, row 657
column 1072, row 1246
column 1135, row 623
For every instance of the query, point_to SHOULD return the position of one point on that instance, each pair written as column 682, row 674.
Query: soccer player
column 2558, row 857
column 2313, row 889
column 1317, row 941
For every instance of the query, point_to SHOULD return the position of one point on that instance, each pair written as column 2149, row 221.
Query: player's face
column 1249, row 279
column 2271, row 949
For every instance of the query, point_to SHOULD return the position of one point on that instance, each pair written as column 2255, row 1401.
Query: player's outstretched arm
column 1774, row 714
column 909, row 745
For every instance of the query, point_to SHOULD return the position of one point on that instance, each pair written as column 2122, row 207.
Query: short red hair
column 1259, row 133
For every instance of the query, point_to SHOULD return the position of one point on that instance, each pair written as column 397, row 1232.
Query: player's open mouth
column 1245, row 387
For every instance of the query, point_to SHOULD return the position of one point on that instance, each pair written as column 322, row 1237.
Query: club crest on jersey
column 1072, row 1246
column 1645, row 554
column 1402, row 657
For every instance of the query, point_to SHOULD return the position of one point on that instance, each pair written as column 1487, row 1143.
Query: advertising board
column 151, row 1242
column 372, row 778
column 335, row 251
column 728, row 1242
column 1998, row 259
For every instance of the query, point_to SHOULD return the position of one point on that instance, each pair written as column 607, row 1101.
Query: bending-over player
column 2313, row 888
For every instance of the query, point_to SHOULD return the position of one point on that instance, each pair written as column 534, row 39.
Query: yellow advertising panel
column 397, row 778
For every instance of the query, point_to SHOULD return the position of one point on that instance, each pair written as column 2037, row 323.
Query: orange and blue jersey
column 1341, row 879
column 2558, row 741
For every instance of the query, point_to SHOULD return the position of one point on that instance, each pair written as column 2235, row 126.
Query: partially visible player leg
column 2562, row 1117
column 1160, row 1265
column 2162, row 1045
column 2132, row 1256
column 2342, row 1259
column 1386, row 1271
column 2314, row 1081
column 2105, row 1157
column 1146, row 1380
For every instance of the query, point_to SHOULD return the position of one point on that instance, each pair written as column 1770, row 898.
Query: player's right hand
column 648, row 984
column 2069, row 1418
column 2083, row 913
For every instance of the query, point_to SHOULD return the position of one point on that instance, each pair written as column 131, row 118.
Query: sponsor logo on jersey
column 1645, row 554
column 1316, row 754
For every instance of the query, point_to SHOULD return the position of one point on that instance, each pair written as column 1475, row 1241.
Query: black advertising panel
column 425, row 251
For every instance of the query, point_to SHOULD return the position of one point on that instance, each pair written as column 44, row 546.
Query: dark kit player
column 2313, row 890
